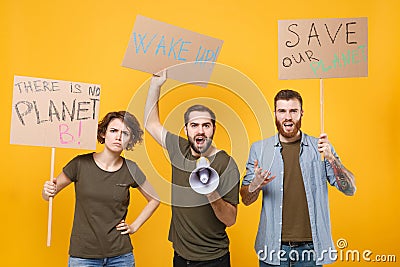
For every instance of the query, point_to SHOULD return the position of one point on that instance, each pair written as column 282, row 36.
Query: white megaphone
column 203, row 179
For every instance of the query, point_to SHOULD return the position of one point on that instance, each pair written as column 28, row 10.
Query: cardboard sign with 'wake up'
column 155, row 45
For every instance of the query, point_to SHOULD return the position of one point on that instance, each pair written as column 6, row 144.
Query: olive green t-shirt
column 102, row 200
column 295, row 218
column 196, row 233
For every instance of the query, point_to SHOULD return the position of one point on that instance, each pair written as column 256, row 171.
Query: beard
column 206, row 145
column 281, row 130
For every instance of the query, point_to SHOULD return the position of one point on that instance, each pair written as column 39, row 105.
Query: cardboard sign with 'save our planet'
column 323, row 48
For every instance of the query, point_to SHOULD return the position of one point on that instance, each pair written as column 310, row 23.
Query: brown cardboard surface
column 323, row 48
column 154, row 46
column 54, row 113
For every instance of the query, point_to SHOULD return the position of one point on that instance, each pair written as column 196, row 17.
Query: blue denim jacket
column 316, row 174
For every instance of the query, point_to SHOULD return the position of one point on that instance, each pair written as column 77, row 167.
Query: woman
column 100, row 234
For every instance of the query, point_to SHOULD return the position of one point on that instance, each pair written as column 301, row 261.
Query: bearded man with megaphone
column 205, row 184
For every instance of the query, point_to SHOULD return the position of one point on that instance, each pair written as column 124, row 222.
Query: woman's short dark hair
column 199, row 108
column 129, row 120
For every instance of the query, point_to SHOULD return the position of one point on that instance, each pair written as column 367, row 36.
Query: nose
column 287, row 116
column 119, row 136
column 201, row 130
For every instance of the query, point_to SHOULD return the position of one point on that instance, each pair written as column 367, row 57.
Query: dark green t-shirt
column 196, row 233
column 102, row 200
column 295, row 218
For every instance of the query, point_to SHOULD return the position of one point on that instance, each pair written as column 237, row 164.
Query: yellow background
column 86, row 41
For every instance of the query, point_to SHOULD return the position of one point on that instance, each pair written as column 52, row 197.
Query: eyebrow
column 124, row 131
column 290, row 109
column 196, row 123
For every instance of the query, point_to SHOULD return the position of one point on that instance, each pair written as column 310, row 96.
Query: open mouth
column 200, row 140
column 288, row 125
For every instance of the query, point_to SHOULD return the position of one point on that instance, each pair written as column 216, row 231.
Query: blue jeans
column 295, row 256
column 125, row 260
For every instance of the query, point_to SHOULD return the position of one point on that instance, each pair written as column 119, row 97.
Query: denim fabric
column 301, row 256
column 125, row 260
column 316, row 174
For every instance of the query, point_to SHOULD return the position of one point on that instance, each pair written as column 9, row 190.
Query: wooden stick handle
column 321, row 99
column 50, row 215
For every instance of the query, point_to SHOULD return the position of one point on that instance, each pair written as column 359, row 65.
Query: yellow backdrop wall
column 86, row 41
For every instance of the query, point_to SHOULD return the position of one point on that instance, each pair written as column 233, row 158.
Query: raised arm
column 344, row 178
column 151, row 112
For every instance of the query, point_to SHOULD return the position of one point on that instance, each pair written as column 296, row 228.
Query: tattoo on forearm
column 251, row 197
column 344, row 177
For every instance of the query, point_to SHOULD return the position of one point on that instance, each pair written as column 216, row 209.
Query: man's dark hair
column 288, row 94
column 199, row 108
column 129, row 120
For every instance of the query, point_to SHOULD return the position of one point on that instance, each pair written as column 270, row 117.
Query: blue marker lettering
column 161, row 45
column 141, row 42
column 181, row 49
column 197, row 56
column 172, row 47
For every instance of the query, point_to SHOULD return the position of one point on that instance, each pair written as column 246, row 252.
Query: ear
column 130, row 144
column 301, row 114
column 185, row 128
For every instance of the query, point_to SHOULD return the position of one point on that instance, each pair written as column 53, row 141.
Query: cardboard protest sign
column 156, row 45
column 54, row 113
column 323, row 48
